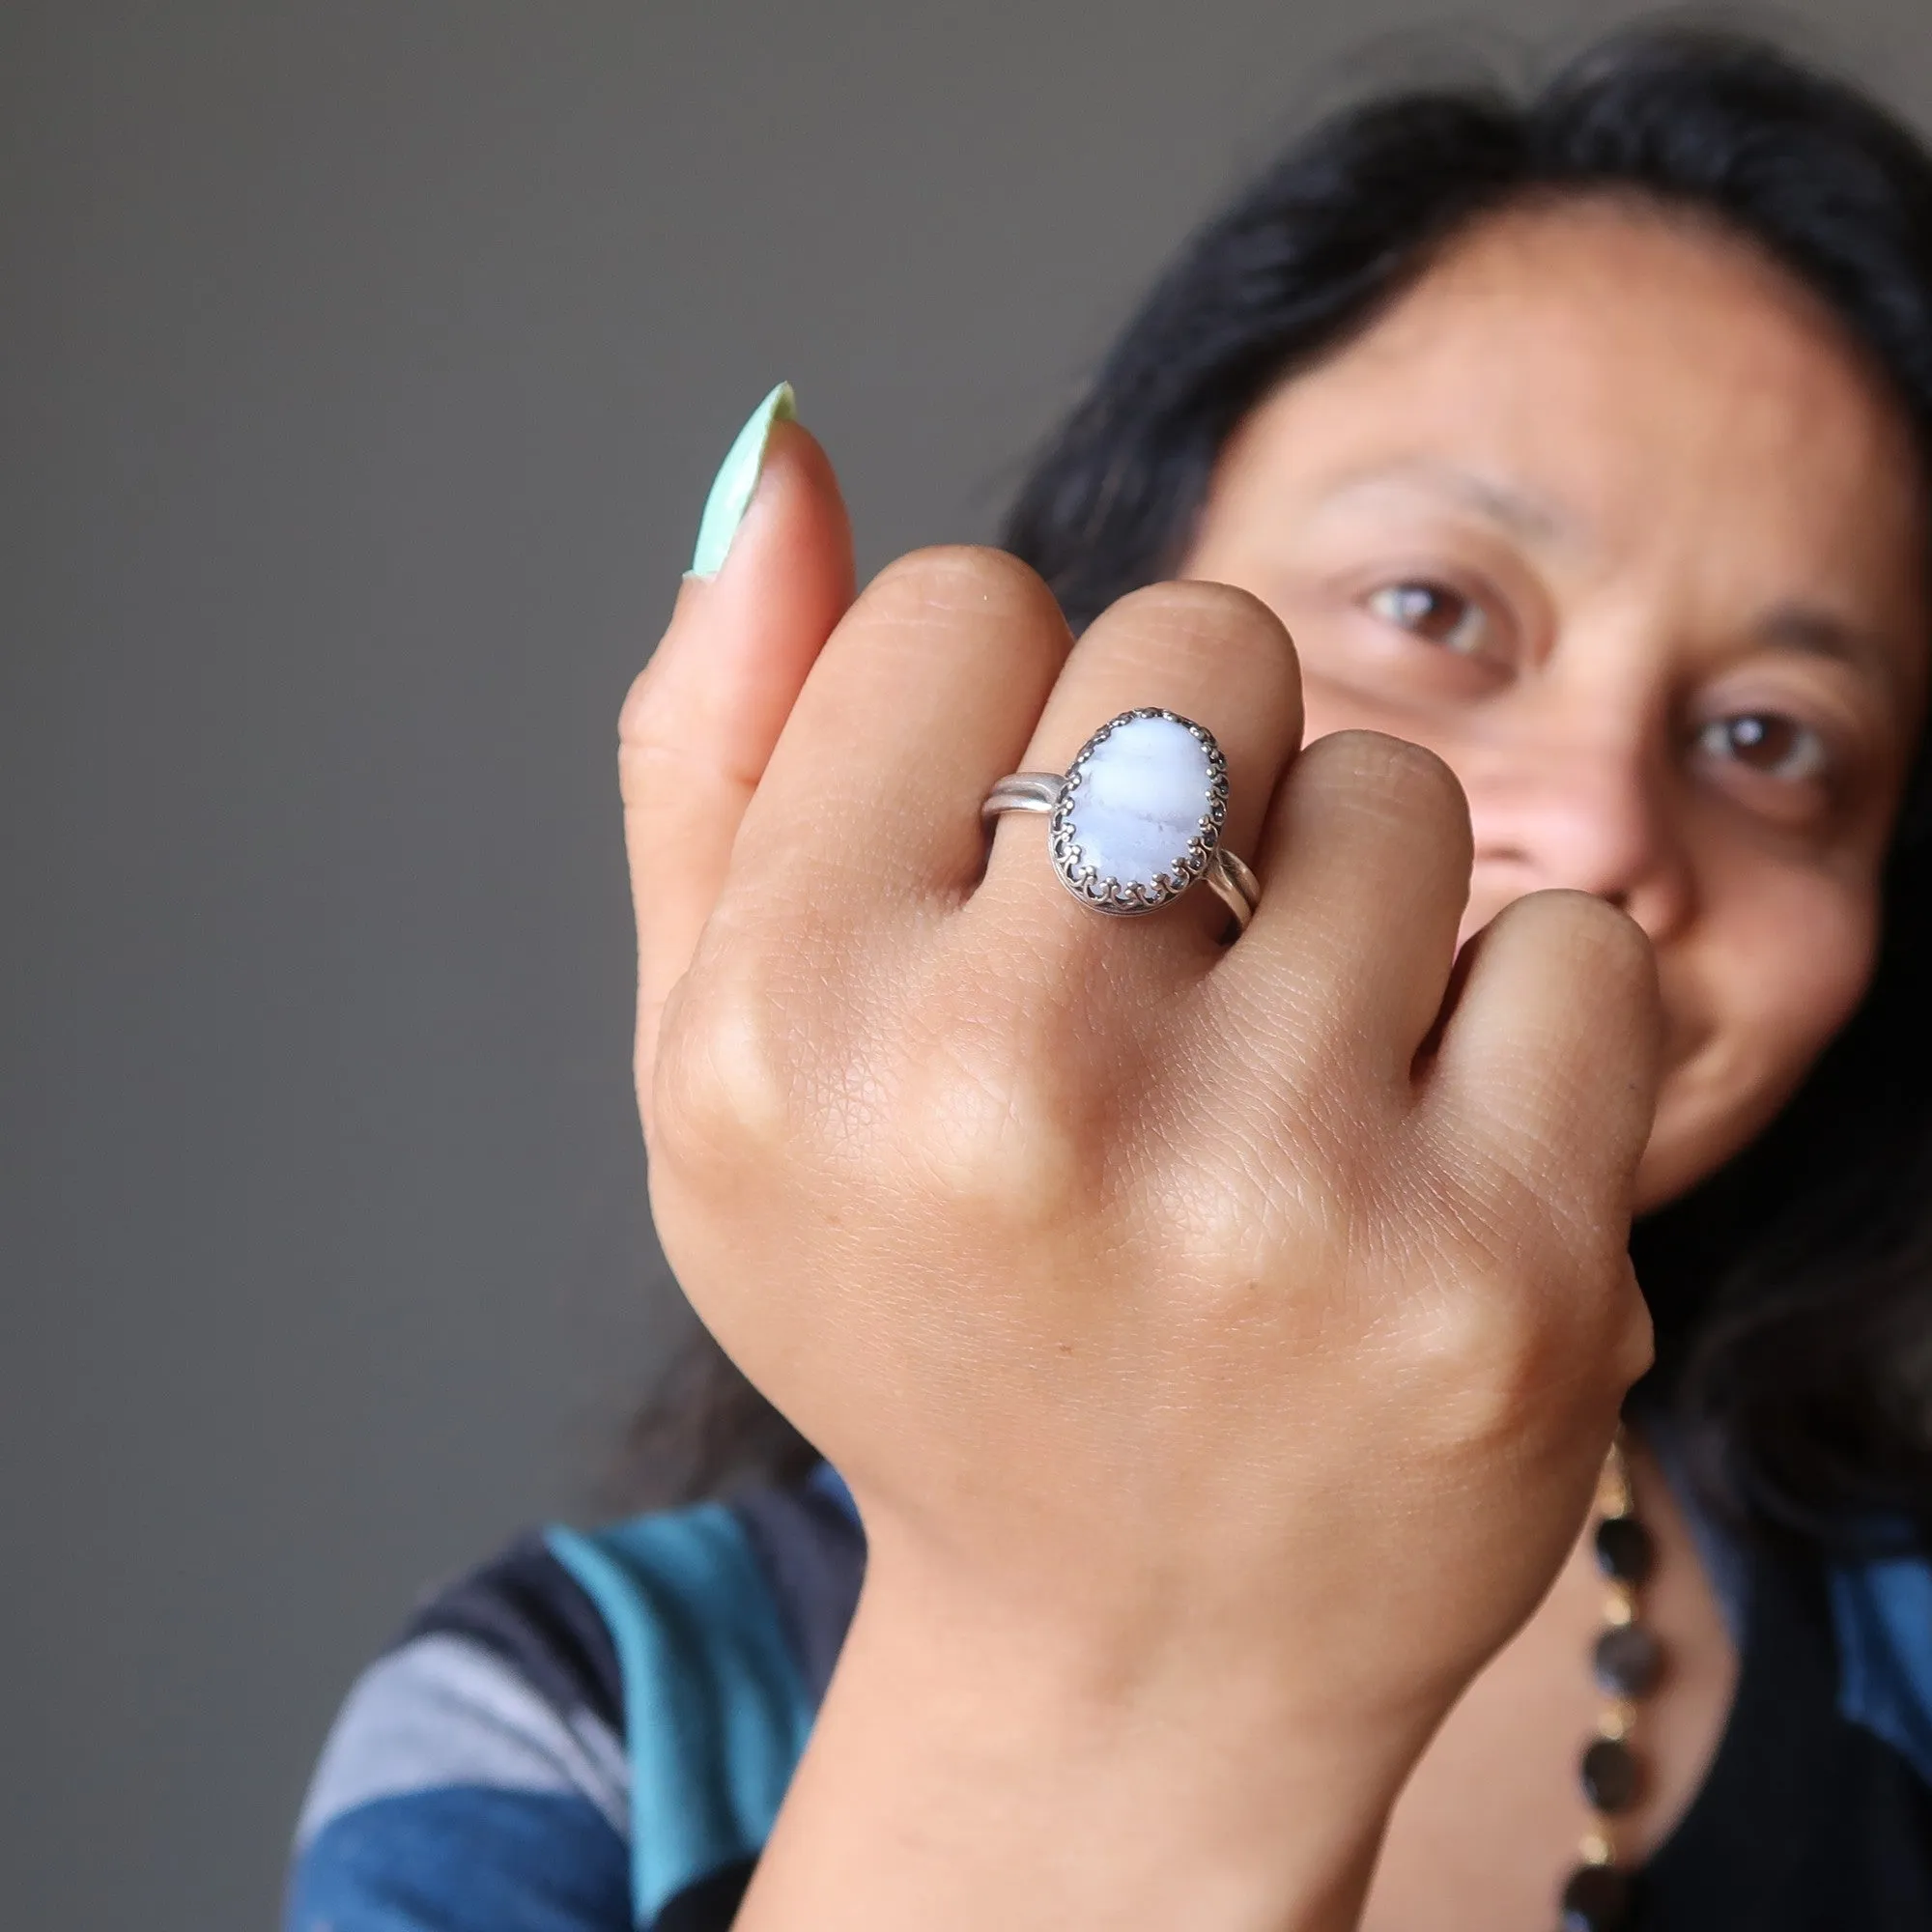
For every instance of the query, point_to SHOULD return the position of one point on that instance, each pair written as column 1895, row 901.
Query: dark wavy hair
column 1793, row 1289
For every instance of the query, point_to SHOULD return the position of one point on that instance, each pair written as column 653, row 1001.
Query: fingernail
column 737, row 478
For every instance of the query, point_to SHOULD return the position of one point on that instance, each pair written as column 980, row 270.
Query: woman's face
column 1607, row 513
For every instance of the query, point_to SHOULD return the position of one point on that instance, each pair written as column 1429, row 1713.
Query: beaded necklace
column 1626, row 1662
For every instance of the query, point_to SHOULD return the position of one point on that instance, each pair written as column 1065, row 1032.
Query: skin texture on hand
column 1220, row 1344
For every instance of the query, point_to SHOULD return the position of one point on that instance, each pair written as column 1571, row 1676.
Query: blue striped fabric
column 715, row 1708
column 595, row 1732
column 464, row 1858
column 453, row 1796
column 591, row 1735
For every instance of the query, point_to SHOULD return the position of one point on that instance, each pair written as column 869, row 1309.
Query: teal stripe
column 715, row 1711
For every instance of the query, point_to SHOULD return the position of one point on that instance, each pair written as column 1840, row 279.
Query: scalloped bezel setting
column 1192, row 813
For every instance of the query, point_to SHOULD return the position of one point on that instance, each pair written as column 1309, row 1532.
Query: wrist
column 975, row 1767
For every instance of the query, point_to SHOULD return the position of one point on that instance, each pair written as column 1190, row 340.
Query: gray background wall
column 362, row 371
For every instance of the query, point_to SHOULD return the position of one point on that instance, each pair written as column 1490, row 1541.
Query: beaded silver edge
column 1105, row 893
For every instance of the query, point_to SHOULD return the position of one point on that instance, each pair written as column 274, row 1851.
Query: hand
column 1221, row 1341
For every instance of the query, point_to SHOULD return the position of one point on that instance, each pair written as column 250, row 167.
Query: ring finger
column 1212, row 654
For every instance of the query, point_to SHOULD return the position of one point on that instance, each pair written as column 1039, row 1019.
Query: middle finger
column 1212, row 654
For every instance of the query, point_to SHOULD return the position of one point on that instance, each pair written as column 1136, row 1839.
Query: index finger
column 700, row 721
column 925, row 693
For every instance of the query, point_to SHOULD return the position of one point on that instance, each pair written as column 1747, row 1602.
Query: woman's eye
column 1779, row 748
column 1435, row 612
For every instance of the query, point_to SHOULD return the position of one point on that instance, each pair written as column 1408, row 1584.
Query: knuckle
column 1210, row 610
column 1568, row 916
column 640, row 723
column 1634, row 1347
column 634, row 714
column 1588, row 940
column 1395, row 779
column 1609, row 941
column 1491, row 1367
column 1472, row 1340
column 724, row 1084
column 1214, row 601
column 658, row 755
column 948, row 581
column 1002, row 1132
column 1175, row 630
column 1528, row 1327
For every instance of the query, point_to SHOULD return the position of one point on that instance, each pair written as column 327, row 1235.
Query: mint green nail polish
column 736, row 479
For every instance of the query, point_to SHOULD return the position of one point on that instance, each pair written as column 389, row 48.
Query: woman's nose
column 1594, row 814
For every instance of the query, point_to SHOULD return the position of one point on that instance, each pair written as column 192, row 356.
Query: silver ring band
column 1136, row 819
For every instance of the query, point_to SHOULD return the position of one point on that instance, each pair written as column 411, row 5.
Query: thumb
column 772, row 576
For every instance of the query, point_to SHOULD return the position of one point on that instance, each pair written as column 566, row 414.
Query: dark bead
column 1624, row 1550
column 1597, row 1899
column 1628, row 1660
column 1610, row 1776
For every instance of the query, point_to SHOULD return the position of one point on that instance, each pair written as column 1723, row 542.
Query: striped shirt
column 594, row 1732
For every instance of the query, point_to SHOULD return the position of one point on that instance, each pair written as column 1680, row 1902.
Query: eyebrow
column 1818, row 634
column 1523, row 513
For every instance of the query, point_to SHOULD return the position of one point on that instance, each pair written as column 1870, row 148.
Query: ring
column 1136, row 818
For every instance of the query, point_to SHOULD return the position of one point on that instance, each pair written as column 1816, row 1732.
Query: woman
column 1224, row 1342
